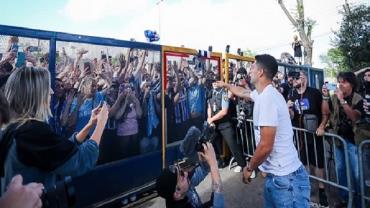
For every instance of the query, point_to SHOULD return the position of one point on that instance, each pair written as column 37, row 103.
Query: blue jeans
column 292, row 190
column 340, row 167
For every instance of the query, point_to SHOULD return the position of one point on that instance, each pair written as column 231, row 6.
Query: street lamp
column 159, row 16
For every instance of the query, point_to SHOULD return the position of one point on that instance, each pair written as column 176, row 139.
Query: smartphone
column 185, row 165
column 331, row 87
column 14, row 47
column 103, row 56
column 33, row 49
column 21, row 59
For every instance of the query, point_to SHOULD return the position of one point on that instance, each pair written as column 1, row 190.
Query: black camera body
column 244, row 110
column 208, row 135
column 185, row 165
column 61, row 195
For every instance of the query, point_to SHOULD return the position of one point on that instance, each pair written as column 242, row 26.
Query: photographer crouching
column 177, row 183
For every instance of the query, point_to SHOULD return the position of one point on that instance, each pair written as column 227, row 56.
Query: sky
column 259, row 25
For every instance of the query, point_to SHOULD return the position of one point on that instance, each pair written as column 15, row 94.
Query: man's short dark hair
column 348, row 77
column 268, row 63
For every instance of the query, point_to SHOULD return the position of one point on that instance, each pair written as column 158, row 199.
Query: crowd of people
column 109, row 108
column 343, row 112
column 129, row 83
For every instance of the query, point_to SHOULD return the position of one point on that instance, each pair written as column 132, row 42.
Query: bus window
column 188, row 81
column 17, row 51
column 127, row 79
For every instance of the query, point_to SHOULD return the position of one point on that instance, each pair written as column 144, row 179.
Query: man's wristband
column 343, row 102
column 325, row 97
column 249, row 169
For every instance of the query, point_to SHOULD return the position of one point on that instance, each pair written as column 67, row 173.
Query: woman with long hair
column 30, row 147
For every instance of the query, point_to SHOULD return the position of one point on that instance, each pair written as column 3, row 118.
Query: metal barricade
column 364, row 166
column 329, row 143
column 308, row 144
column 245, row 137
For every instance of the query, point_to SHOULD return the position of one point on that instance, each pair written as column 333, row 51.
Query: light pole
column 159, row 18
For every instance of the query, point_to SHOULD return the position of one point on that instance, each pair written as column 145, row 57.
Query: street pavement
column 236, row 193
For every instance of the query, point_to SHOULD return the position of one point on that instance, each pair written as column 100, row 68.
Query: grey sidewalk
column 237, row 194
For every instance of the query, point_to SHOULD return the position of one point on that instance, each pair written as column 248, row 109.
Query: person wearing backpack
column 305, row 109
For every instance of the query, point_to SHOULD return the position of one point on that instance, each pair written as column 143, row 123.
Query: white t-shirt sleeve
column 254, row 94
column 268, row 112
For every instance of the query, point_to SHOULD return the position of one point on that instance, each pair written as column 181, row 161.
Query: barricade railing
column 312, row 150
column 245, row 137
column 364, row 166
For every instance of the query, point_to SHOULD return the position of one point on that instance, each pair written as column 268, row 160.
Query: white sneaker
column 238, row 169
column 253, row 175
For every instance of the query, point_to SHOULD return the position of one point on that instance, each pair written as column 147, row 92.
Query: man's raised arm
column 236, row 90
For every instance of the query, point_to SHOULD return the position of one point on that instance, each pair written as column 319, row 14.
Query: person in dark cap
column 287, row 87
column 177, row 185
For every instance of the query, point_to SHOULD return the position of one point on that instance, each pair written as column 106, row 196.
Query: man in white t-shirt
column 287, row 182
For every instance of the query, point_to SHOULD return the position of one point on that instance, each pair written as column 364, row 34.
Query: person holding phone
column 80, row 107
column 345, row 108
column 127, row 110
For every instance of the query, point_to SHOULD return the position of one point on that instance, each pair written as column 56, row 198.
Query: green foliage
column 353, row 39
column 249, row 52
column 334, row 61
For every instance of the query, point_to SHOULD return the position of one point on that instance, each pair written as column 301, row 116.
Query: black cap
column 166, row 184
column 241, row 70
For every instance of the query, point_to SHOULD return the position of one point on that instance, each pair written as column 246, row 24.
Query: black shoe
column 323, row 199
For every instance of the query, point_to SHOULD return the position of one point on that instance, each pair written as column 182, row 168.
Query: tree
column 304, row 28
column 334, row 61
column 249, row 52
column 353, row 37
